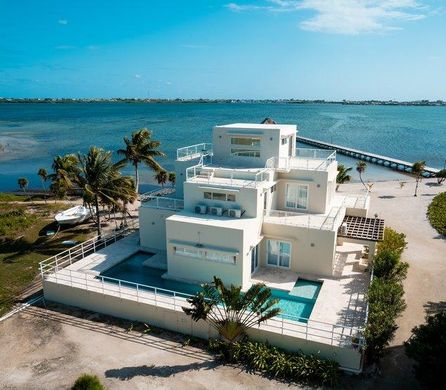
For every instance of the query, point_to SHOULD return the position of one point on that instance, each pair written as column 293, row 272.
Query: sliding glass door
column 278, row 253
column 296, row 196
column 254, row 258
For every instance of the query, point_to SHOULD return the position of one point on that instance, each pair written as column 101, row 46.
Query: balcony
column 161, row 202
column 306, row 159
column 329, row 221
column 194, row 151
column 243, row 178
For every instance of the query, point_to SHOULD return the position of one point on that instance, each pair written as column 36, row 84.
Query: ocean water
column 32, row 134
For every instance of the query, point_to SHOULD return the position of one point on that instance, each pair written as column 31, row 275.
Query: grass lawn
column 24, row 244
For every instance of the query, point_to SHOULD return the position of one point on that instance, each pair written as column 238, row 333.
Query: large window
column 245, row 146
column 296, row 196
column 219, row 196
column 278, row 253
column 205, row 254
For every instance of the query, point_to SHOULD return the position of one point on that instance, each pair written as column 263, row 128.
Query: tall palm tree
column 141, row 149
column 230, row 311
column 343, row 176
column 360, row 168
column 43, row 174
column 161, row 177
column 65, row 174
column 23, row 184
column 172, row 178
column 102, row 181
column 417, row 170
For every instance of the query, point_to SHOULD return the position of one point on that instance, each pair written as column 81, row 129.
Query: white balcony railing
column 57, row 270
column 194, row 151
column 161, row 202
column 307, row 159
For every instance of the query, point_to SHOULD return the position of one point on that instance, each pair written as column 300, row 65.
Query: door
column 290, row 147
column 278, row 254
column 254, row 259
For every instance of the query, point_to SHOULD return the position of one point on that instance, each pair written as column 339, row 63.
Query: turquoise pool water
column 299, row 302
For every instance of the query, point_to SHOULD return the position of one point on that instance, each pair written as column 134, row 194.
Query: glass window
column 296, row 196
column 279, row 253
column 217, row 196
column 231, row 198
column 208, row 195
column 246, row 141
column 284, row 141
column 205, row 255
column 245, row 152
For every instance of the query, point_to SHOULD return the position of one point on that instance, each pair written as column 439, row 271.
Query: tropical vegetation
column 417, row 170
column 385, row 296
column 87, row 382
column 343, row 176
column 65, row 174
column 102, row 181
column 436, row 212
column 161, row 177
column 360, row 168
column 172, row 178
column 23, row 183
column 141, row 149
column 43, row 174
column 277, row 363
column 229, row 311
column 427, row 348
column 441, row 176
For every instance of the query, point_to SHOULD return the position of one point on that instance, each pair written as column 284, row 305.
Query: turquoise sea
column 31, row 134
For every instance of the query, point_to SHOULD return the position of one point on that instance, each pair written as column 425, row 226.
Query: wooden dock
column 389, row 162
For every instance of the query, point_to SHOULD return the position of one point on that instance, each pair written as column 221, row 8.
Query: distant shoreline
column 422, row 103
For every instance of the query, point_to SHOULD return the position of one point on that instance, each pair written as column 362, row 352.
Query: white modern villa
column 248, row 208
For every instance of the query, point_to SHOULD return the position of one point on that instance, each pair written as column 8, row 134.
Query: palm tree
column 360, row 168
column 417, row 170
column 23, row 184
column 161, row 177
column 65, row 174
column 102, row 181
column 172, row 178
column 141, row 148
column 441, row 176
column 42, row 173
column 343, row 176
column 229, row 310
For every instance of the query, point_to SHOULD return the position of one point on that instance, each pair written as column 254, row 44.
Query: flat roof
column 213, row 220
column 258, row 126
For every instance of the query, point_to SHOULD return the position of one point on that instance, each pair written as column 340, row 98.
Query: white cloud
column 349, row 17
column 63, row 22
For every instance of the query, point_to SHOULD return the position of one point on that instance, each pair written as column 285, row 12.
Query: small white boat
column 73, row 216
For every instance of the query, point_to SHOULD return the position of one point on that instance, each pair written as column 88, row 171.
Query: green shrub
column 427, row 347
column 385, row 294
column 87, row 382
column 393, row 241
column 279, row 364
column 436, row 212
column 15, row 220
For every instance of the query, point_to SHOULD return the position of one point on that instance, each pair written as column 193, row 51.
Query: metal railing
column 308, row 159
column 192, row 151
column 161, row 202
column 234, row 178
column 336, row 335
column 82, row 250
column 311, row 221
column 356, row 201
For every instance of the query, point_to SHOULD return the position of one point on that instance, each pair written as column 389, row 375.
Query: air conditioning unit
column 218, row 211
column 235, row 213
column 201, row 209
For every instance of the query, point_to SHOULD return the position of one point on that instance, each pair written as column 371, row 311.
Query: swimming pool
column 298, row 302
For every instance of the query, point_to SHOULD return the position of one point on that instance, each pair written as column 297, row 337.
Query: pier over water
column 390, row 162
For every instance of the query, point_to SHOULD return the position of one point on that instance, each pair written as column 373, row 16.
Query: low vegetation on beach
column 436, row 213
column 386, row 294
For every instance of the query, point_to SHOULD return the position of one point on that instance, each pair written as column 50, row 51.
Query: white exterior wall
column 180, row 172
column 245, row 198
column 270, row 145
column 178, row 321
column 305, row 258
column 152, row 227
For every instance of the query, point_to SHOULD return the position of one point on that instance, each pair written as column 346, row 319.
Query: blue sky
column 309, row 49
